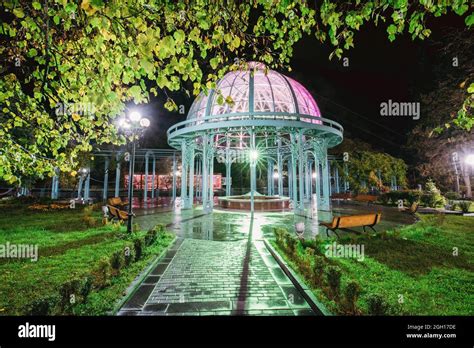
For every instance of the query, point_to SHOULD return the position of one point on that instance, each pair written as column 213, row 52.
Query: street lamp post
column 132, row 125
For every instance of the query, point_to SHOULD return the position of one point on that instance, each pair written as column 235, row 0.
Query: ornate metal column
column 79, row 187
column 55, row 184
column 270, row 178
column 253, row 171
column 190, row 153
column 317, row 179
column 346, row 175
column 106, row 180
column 307, row 178
column 394, row 185
column 87, row 186
column 184, row 170
column 280, row 169
column 211, row 172
column 174, row 179
column 325, row 201
column 205, row 174
column 117, row 176
column 153, row 177
column 336, row 178
column 228, row 170
column 300, row 145
column 199, row 176
column 290, row 180
column 145, row 187
column 294, row 162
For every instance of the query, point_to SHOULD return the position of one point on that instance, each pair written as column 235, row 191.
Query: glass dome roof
column 254, row 91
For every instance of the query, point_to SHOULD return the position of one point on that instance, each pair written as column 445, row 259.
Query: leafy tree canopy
column 368, row 166
column 70, row 67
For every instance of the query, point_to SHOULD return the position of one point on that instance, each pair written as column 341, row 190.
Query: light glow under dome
column 255, row 90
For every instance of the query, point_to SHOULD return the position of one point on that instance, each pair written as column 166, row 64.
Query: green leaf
column 135, row 92
column 97, row 3
column 214, row 62
column 470, row 89
column 460, row 10
column 179, row 35
column 18, row 12
column 236, row 42
column 36, row 5
column 392, row 29
column 56, row 19
column 470, row 20
column 32, row 52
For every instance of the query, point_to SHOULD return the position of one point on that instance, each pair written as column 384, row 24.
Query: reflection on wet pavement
column 232, row 226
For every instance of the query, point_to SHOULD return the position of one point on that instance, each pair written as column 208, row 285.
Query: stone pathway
column 207, row 277
column 210, row 278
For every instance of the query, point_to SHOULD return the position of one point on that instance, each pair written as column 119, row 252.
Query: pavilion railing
column 275, row 116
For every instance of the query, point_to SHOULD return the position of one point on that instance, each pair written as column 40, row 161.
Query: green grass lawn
column 423, row 269
column 68, row 249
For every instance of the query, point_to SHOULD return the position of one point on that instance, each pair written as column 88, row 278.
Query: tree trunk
column 467, row 183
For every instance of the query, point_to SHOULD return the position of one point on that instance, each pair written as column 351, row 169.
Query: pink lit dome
column 256, row 91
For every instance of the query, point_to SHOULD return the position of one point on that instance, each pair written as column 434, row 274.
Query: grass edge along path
column 83, row 280
column 379, row 285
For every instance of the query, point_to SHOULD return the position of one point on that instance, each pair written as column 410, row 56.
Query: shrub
column 384, row 198
column 139, row 247
column 334, row 279
column 70, row 294
column 413, row 196
column 86, row 287
column 129, row 255
column 304, row 263
column 160, row 228
column 309, row 253
column 377, row 305
column 318, row 269
column 290, row 243
column 351, row 294
column 117, row 260
column 408, row 196
column 42, row 306
column 314, row 244
column 87, row 217
column 151, row 237
column 432, row 196
column 103, row 273
column 280, row 236
column 465, row 206
column 452, row 195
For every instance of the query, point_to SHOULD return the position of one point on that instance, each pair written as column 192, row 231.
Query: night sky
column 378, row 71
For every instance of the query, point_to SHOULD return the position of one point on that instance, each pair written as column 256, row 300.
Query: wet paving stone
column 159, row 269
column 139, row 298
column 152, row 279
column 218, row 272
column 294, row 297
column 280, row 276
column 304, row 312
column 207, row 306
column 159, row 307
column 221, row 278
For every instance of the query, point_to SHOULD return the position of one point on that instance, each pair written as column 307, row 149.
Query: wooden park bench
column 365, row 198
column 338, row 222
column 117, row 202
column 117, row 214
